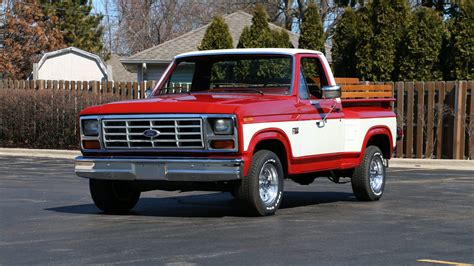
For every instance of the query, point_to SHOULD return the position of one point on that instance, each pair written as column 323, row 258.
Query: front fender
column 262, row 135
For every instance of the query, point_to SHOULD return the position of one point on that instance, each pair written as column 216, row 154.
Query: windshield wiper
column 249, row 89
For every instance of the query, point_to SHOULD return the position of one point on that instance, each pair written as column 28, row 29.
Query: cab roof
column 279, row 51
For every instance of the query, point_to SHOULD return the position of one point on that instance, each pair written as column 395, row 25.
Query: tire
column 113, row 196
column 368, row 180
column 262, row 189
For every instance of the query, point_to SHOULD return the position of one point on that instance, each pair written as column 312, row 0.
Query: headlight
column 90, row 127
column 223, row 127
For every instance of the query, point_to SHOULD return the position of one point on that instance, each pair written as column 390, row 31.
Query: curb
column 393, row 163
column 59, row 154
column 443, row 164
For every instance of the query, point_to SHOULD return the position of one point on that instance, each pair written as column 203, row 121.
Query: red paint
column 256, row 108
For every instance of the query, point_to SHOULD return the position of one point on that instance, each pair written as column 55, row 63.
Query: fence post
column 142, row 90
column 440, row 87
column 410, row 109
column 429, row 151
column 419, row 86
column 135, row 90
column 41, row 85
column 470, row 86
column 85, row 86
column 459, row 123
column 129, row 90
column 400, row 94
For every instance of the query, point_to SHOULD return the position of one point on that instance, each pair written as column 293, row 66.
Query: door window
column 303, row 88
column 313, row 75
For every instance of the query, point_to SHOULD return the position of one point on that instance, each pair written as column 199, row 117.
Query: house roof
column 119, row 72
column 72, row 49
column 165, row 52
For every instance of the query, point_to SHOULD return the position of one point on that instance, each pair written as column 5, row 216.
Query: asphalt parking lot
column 47, row 217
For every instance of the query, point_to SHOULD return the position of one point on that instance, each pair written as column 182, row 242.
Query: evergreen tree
column 259, row 34
column 28, row 33
column 421, row 47
column 377, row 51
column 345, row 41
column 311, row 30
column 79, row 27
column 281, row 39
column 217, row 36
column 459, row 50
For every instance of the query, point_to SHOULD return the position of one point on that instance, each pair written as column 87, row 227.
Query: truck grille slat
column 180, row 133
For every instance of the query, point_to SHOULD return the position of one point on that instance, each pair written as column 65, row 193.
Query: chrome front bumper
column 170, row 169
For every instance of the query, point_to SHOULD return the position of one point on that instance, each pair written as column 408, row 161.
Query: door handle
column 321, row 123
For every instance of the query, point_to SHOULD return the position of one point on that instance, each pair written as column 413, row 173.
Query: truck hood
column 243, row 104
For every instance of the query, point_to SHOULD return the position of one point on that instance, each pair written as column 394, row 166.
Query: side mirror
column 331, row 92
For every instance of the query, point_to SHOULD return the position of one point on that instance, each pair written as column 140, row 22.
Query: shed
column 71, row 64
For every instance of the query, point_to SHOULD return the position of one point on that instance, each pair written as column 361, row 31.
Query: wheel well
column 278, row 148
column 382, row 142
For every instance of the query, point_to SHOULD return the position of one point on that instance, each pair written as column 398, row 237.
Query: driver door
column 321, row 130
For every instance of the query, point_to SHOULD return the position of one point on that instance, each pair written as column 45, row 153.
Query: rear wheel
column 113, row 196
column 262, row 189
column 368, row 180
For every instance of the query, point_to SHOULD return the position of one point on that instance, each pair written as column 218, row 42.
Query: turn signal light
column 222, row 144
column 91, row 144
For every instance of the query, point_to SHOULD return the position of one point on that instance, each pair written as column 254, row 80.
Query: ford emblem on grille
column 151, row 133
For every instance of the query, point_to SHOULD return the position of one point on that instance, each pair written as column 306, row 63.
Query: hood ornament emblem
column 151, row 133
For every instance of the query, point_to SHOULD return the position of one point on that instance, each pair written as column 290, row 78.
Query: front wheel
column 368, row 180
column 262, row 189
column 113, row 196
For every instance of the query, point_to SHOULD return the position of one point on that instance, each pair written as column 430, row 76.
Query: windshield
column 263, row 74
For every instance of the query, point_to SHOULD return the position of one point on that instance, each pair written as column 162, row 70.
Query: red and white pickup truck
column 241, row 121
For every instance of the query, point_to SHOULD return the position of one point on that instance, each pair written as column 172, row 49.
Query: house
column 120, row 73
column 71, row 64
column 151, row 63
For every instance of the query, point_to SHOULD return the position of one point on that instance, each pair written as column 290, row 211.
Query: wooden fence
column 437, row 117
column 125, row 90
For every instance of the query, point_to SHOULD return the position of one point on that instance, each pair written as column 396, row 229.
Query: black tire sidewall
column 105, row 196
column 361, row 177
column 260, row 159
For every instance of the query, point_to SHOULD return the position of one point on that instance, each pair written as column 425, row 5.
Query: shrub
column 459, row 57
column 421, row 47
column 217, row 36
column 311, row 30
column 259, row 34
column 44, row 119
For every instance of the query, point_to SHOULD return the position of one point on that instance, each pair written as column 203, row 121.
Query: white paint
column 71, row 64
column 338, row 135
column 256, row 51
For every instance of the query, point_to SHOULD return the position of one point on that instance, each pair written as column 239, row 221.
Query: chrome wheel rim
column 268, row 183
column 376, row 174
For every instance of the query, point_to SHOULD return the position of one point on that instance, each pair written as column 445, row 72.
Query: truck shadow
column 209, row 205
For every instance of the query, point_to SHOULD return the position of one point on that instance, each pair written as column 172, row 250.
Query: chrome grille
column 179, row 133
